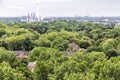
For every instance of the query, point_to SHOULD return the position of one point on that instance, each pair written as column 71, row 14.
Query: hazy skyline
column 60, row 7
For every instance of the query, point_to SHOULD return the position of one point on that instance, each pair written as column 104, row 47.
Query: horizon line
column 58, row 16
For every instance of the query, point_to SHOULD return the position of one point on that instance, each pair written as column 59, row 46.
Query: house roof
column 31, row 66
column 73, row 46
column 67, row 53
column 21, row 53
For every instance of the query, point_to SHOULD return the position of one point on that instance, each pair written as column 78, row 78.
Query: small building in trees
column 74, row 47
column 31, row 66
column 67, row 53
column 21, row 54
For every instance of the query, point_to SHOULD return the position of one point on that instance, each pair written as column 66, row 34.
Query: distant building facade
column 31, row 17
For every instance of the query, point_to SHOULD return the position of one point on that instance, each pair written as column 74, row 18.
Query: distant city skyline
column 12, row 8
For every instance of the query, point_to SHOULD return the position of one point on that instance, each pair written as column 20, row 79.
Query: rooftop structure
column 31, row 66
column 21, row 54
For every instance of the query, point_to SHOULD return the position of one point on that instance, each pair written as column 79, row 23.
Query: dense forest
column 61, row 50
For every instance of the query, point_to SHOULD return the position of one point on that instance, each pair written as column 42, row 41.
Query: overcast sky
column 61, row 7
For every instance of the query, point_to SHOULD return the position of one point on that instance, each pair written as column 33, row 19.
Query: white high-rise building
column 31, row 17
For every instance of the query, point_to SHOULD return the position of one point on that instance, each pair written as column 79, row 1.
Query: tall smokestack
column 37, row 10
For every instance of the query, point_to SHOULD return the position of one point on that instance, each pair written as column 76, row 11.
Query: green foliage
column 111, row 53
column 18, row 39
column 2, row 32
column 109, row 44
column 8, row 73
column 41, row 53
column 84, row 44
column 96, row 34
column 7, row 56
column 22, row 67
column 107, row 70
column 60, row 44
column 96, row 57
column 117, row 29
column 42, row 70
column 57, row 40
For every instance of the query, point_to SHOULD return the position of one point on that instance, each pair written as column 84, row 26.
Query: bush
column 111, row 53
